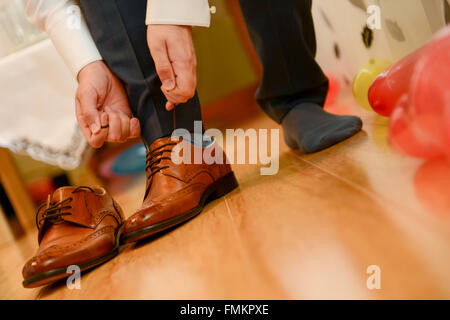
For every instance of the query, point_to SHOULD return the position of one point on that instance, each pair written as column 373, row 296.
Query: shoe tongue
column 57, row 196
column 84, row 205
column 158, row 143
column 62, row 194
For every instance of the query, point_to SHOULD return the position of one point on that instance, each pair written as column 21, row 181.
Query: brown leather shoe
column 77, row 226
column 176, row 192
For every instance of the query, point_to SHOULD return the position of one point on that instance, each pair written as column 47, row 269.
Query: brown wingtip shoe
column 178, row 192
column 77, row 226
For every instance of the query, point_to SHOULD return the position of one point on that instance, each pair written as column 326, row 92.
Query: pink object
column 39, row 190
column 431, row 182
column 404, row 135
column 388, row 87
column 415, row 92
column 333, row 90
column 429, row 93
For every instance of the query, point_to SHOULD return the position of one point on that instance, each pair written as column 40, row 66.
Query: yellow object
column 364, row 78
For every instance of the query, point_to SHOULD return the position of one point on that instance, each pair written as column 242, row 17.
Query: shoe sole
column 218, row 189
column 56, row 274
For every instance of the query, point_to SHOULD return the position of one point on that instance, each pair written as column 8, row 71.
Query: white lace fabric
column 37, row 109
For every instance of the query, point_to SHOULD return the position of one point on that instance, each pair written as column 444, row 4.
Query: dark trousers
column 282, row 32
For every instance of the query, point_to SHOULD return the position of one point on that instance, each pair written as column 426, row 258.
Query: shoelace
column 54, row 211
column 155, row 157
column 153, row 160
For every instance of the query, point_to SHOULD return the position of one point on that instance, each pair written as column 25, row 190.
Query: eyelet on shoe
column 100, row 191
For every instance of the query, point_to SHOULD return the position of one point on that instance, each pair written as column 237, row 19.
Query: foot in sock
column 310, row 128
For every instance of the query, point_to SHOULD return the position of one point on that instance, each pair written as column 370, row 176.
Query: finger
column 81, row 121
column 135, row 128
column 87, row 112
column 186, row 80
column 114, row 130
column 104, row 121
column 184, row 65
column 124, row 127
column 94, row 140
column 185, row 90
column 158, row 49
column 169, row 106
column 175, row 97
column 98, row 140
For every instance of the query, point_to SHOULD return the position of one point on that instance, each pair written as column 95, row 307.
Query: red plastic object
column 388, row 87
column 39, row 190
column 404, row 135
column 415, row 92
column 429, row 94
column 431, row 183
column 333, row 90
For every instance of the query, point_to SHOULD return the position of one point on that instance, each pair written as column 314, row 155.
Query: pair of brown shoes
column 84, row 226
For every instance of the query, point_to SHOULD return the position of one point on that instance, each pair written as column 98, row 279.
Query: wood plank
column 311, row 231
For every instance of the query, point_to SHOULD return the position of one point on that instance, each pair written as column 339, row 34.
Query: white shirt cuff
column 179, row 12
column 73, row 42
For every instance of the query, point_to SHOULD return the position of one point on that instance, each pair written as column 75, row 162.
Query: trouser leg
column 282, row 32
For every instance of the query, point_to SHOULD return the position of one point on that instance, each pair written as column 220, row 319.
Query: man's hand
column 173, row 52
column 102, row 108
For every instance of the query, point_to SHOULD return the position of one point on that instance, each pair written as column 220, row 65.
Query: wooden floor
column 311, row 231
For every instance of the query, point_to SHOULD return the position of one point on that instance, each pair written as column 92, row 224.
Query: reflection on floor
column 311, row 231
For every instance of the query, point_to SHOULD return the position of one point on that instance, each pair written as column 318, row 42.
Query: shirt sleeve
column 179, row 12
column 66, row 27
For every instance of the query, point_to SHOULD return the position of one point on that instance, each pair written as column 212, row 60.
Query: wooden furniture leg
column 16, row 191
